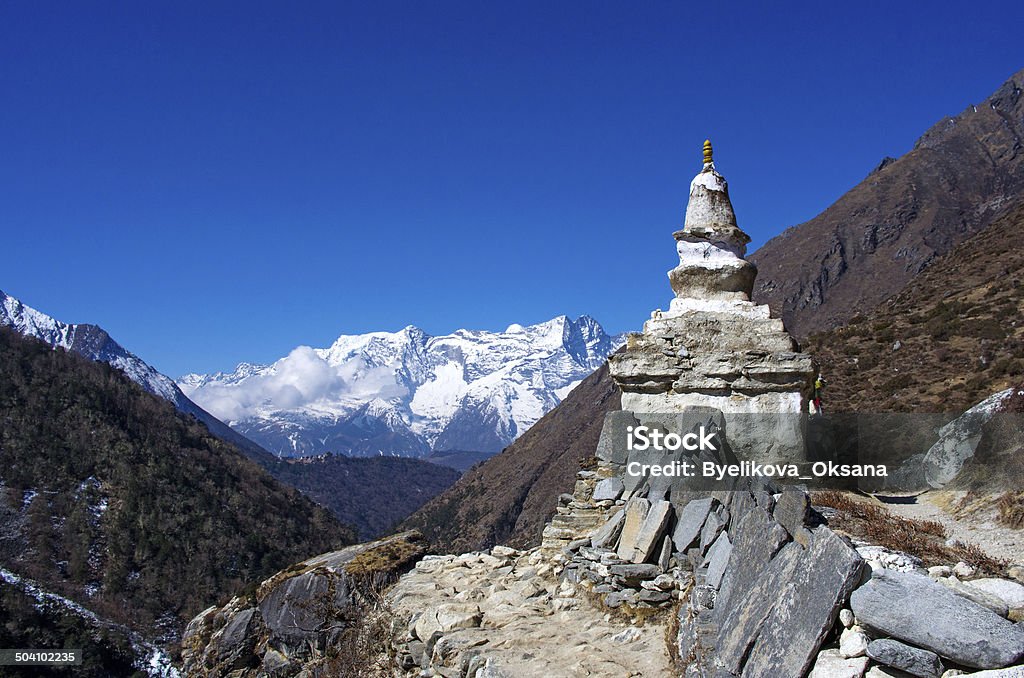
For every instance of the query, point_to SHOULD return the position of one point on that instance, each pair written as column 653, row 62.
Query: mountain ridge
column 94, row 343
column 406, row 393
column 962, row 174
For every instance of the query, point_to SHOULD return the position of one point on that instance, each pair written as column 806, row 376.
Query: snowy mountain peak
column 90, row 341
column 470, row 390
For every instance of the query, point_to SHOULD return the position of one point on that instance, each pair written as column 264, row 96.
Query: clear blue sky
column 216, row 182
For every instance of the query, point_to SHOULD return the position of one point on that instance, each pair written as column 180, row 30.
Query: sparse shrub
column 986, row 328
column 364, row 647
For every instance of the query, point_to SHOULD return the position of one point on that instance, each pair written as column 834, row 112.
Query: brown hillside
column 960, row 328
column 964, row 173
column 508, row 498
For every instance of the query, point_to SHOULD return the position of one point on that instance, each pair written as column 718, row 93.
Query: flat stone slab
column 718, row 559
column 652, row 530
column 611, row 446
column 915, row 609
column 805, row 606
column 913, row 660
column 608, row 489
column 689, row 522
column 606, row 535
column 636, row 513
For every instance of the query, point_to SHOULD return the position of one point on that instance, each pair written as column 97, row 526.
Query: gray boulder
column 958, row 441
column 915, row 609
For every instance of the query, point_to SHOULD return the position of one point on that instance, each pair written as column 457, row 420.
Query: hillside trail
column 979, row 528
column 521, row 621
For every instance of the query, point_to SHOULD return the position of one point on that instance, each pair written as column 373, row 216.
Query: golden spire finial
column 707, row 151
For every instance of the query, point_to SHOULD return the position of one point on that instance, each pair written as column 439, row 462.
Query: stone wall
column 759, row 579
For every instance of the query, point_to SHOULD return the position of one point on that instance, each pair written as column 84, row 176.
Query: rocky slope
column 406, row 393
column 954, row 336
column 509, row 497
column 114, row 499
column 316, row 616
column 962, row 174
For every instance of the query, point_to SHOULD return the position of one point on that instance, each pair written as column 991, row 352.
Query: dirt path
column 979, row 529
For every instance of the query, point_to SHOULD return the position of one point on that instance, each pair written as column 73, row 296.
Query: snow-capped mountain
column 89, row 341
column 406, row 392
column 93, row 342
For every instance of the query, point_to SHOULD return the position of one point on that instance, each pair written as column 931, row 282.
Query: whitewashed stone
column 830, row 664
column 1010, row 592
column 963, row 570
column 853, row 642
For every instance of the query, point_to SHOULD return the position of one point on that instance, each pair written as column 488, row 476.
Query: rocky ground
column 504, row 613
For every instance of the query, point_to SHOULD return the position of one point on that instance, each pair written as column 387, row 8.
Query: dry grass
column 925, row 539
column 1011, row 509
column 392, row 556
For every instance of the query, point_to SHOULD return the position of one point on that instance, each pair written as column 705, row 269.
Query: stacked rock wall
column 764, row 587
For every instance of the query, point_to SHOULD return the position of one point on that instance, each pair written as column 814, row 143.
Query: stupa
column 714, row 347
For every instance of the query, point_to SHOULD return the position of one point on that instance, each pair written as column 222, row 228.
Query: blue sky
column 217, row 182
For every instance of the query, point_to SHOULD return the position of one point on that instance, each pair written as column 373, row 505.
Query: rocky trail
column 504, row 613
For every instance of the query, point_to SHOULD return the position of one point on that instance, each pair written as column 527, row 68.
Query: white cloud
column 301, row 378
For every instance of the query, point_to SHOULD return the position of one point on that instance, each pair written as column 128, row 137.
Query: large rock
column 805, row 607
column 915, row 609
column 958, row 441
column 297, row 613
column 913, row 660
